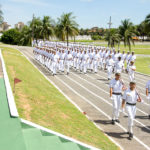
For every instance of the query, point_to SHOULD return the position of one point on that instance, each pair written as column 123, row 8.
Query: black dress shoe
column 128, row 133
column 117, row 120
column 130, row 136
column 113, row 122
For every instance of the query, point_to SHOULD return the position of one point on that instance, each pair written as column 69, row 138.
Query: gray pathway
column 90, row 93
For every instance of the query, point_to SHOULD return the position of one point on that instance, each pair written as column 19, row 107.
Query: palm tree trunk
column 67, row 38
column 129, row 46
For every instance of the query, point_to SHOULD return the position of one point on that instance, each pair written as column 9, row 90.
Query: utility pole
column 33, row 28
column 109, row 23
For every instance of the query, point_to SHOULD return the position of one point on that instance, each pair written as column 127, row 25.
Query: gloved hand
column 111, row 98
column 122, row 110
column 148, row 97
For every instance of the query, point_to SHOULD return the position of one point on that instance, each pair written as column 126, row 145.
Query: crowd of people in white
column 56, row 55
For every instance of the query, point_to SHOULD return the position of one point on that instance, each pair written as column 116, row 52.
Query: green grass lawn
column 39, row 101
column 138, row 48
column 143, row 65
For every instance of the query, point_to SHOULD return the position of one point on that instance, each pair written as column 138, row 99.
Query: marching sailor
column 69, row 59
column 131, row 70
column 148, row 94
column 110, row 64
column 116, row 88
column 130, row 98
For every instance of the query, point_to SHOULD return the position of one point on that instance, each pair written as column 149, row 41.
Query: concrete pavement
column 91, row 93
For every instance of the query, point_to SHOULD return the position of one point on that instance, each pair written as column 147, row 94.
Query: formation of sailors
column 57, row 57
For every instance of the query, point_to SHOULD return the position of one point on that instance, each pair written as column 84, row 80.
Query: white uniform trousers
column 61, row 63
column 54, row 67
column 109, row 71
column 75, row 62
column 131, row 110
column 95, row 66
column 117, row 101
column 149, row 103
column 131, row 76
column 91, row 64
column 85, row 66
column 81, row 65
column 78, row 62
column 68, row 65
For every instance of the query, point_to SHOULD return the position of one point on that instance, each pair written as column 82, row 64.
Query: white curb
column 10, row 97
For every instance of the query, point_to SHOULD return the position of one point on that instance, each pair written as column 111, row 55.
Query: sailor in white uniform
column 96, row 59
column 148, row 94
column 131, row 70
column 109, row 64
column 130, row 98
column 69, row 59
column 116, row 88
column 85, row 61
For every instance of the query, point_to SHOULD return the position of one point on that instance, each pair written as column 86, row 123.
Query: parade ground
column 88, row 92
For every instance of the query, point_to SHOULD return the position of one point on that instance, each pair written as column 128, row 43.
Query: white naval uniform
column 55, row 63
column 110, row 64
column 130, row 98
column 85, row 62
column 62, row 61
column 69, row 61
column 96, row 59
column 117, row 86
column 148, row 87
column 119, row 66
column 131, row 72
column 78, row 60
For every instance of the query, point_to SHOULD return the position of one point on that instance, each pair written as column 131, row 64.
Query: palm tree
column 147, row 22
column 66, row 27
column 1, row 15
column 141, row 29
column 113, row 37
column 47, row 27
column 26, row 36
column 36, row 26
column 127, row 31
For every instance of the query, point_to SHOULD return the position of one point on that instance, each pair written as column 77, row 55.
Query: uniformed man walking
column 116, row 88
column 148, row 94
column 130, row 98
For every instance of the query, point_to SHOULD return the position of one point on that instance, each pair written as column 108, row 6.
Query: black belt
column 131, row 104
column 117, row 93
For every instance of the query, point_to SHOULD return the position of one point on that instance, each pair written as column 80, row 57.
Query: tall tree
column 1, row 15
column 36, row 27
column 127, row 31
column 113, row 37
column 66, row 27
column 147, row 23
column 141, row 30
column 26, row 36
column 47, row 27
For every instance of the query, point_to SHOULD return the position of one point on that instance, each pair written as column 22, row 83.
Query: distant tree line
column 66, row 26
column 44, row 28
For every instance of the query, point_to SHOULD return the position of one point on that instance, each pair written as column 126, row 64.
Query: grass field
column 139, row 49
column 143, row 65
column 39, row 101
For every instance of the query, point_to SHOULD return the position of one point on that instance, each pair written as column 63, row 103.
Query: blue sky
column 89, row 13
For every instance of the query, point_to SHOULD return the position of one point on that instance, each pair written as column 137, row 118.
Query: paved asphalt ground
column 91, row 93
